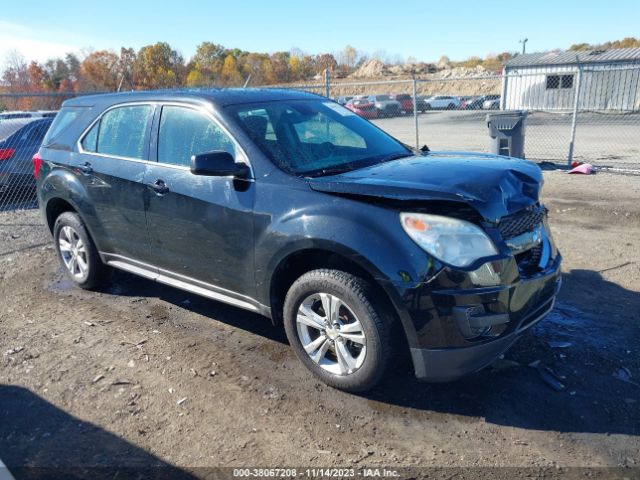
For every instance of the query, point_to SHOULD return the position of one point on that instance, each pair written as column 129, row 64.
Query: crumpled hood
column 495, row 186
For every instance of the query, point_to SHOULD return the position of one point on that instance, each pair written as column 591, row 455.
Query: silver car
column 386, row 105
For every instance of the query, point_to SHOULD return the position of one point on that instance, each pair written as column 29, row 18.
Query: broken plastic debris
column 559, row 344
column 550, row 378
column 181, row 401
column 584, row 169
column 504, row 363
column 623, row 374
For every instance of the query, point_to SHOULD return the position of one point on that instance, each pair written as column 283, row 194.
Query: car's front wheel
column 337, row 329
column 77, row 252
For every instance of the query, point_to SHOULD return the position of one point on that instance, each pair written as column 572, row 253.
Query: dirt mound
column 371, row 68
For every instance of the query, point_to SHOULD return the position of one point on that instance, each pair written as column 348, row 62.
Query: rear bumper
column 10, row 180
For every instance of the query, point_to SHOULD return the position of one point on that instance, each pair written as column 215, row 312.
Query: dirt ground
column 140, row 375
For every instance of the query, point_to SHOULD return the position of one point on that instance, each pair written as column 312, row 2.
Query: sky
column 423, row 29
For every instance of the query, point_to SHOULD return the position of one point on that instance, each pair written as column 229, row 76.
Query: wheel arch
column 55, row 207
column 298, row 262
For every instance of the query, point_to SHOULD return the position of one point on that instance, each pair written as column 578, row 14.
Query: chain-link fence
column 579, row 113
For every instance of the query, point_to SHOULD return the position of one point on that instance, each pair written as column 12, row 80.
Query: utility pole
column 524, row 45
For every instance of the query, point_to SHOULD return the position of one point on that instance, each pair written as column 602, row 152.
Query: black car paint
column 233, row 235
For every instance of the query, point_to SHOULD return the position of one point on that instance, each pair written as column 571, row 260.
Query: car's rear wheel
column 337, row 330
column 77, row 252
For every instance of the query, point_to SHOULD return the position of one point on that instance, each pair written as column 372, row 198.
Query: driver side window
column 185, row 132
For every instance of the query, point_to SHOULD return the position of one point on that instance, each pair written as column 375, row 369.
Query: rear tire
column 77, row 252
column 349, row 347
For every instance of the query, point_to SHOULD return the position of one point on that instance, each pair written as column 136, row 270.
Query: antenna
column 524, row 44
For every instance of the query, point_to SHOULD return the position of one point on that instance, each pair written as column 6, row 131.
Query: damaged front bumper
column 462, row 328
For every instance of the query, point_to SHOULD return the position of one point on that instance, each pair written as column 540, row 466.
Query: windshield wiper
column 397, row 156
column 347, row 167
column 331, row 171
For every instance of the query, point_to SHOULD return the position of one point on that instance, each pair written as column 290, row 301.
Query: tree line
column 161, row 66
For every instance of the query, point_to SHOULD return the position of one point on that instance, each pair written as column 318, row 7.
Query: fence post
column 574, row 119
column 503, row 90
column 415, row 111
column 327, row 84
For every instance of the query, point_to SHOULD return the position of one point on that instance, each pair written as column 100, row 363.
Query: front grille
column 521, row 222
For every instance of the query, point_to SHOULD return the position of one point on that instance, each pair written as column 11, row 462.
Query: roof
column 219, row 96
column 575, row 57
column 10, row 126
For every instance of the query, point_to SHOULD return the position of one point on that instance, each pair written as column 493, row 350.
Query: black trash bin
column 507, row 132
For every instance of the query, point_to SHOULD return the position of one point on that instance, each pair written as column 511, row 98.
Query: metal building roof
column 575, row 57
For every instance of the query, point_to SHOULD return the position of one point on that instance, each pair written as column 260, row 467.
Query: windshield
column 315, row 137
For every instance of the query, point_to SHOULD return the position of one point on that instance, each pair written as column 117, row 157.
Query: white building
column 601, row 80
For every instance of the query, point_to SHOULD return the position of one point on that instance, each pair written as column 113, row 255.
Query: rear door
column 111, row 166
column 200, row 227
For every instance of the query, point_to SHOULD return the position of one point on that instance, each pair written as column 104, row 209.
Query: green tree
column 206, row 64
column 158, row 66
column 229, row 75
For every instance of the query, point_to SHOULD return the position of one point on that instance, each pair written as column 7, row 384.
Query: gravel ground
column 139, row 374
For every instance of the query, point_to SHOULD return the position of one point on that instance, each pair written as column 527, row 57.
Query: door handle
column 159, row 187
column 85, row 168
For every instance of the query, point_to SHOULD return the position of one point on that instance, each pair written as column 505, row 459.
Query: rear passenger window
column 122, row 131
column 185, row 132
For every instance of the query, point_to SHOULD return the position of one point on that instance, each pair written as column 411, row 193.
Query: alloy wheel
column 331, row 334
column 73, row 252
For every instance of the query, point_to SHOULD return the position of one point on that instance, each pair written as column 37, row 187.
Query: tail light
column 37, row 163
column 6, row 153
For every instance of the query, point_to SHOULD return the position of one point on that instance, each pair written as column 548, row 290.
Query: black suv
column 287, row 204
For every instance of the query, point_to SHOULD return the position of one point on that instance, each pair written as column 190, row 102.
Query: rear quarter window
column 63, row 119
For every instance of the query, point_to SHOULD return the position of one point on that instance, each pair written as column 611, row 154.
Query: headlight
column 453, row 241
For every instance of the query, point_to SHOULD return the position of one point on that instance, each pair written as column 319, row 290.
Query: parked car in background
column 472, row 103
column 343, row 100
column 491, row 102
column 14, row 115
column 19, row 142
column 406, row 102
column 442, row 102
column 386, row 105
column 363, row 107
column 285, row 204
column 421, row 104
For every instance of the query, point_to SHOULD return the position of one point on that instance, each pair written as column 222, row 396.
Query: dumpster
column 506, row 130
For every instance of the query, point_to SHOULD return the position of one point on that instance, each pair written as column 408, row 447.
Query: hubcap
column 73, row 252
column 331, row 334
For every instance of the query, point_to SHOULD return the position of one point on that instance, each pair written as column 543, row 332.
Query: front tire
column 77, row 252
column 337, row 330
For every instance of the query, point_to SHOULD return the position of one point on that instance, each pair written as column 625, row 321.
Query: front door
column 200, row 227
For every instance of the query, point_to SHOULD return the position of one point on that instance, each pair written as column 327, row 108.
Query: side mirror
column 217, row 163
